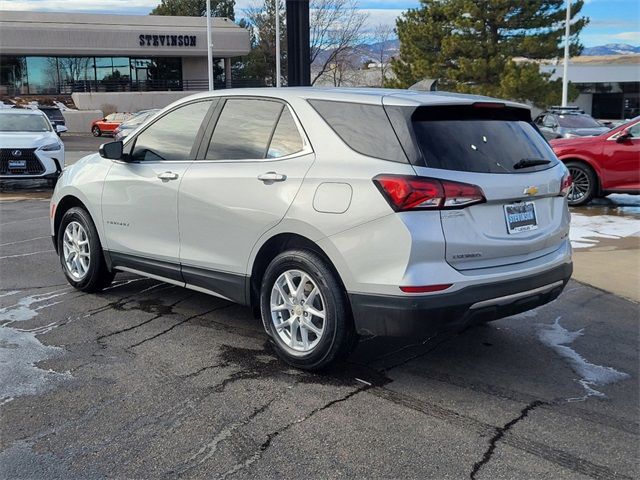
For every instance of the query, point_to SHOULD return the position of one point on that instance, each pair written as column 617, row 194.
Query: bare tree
column 73, row 69
column 336, row 28
column 382, row 35
column 344, row 69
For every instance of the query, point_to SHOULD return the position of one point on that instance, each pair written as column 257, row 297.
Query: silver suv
column 330, row 212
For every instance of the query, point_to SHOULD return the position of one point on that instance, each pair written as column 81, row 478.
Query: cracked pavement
column 147, row 380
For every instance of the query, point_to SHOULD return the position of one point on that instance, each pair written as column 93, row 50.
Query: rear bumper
column 411, row 315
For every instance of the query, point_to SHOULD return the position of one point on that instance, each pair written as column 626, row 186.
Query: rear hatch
column 498, row 149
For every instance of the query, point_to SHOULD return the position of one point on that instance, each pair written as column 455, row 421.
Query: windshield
column 135, row 121
column 53, row 113
column 477, row 141
column 22, row 122
column 577, row 121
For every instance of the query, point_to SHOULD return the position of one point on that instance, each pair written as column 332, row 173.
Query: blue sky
column 612, row 21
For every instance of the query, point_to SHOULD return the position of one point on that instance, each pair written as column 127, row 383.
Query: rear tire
column 80, row 252
column 585, row 184
column 305, row 309
column 96, row 131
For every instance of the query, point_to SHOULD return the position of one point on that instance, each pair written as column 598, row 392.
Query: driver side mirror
column 61, row 129
column 624, row 136
column 111, row 150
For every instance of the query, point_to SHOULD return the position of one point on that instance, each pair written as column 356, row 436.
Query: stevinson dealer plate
column 521, row 217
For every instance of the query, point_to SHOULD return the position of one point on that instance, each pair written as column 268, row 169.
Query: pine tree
column 485, row 46
column 259, row 65
column 195, row 8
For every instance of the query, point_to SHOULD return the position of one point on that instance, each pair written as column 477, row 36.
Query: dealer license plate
column 521, row 217
column 17, row 164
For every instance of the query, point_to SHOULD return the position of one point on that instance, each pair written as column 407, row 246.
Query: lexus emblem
column 16, row 153
column 530, row 191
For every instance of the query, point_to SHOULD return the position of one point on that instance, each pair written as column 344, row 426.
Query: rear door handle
column 166, row 176
column 271, row 177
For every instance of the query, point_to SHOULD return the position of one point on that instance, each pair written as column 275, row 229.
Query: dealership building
column 63, row 53
column 608, row 86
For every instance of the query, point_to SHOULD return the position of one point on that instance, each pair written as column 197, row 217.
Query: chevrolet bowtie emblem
column 530, row 191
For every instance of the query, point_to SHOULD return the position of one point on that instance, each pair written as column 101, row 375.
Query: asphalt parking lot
column 148, row 380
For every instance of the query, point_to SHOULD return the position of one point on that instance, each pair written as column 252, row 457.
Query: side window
column 286, row 138
column 549, row 121
column 538, row 120
column 244, row 129
column 364, row 128
column 110, row 118
column 172, row 136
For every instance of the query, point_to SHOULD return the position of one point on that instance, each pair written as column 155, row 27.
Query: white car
column 29, row 146
column 330, row 212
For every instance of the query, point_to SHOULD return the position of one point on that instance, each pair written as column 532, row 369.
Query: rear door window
column 286, row 138
column 244, row 129
column 483, row 140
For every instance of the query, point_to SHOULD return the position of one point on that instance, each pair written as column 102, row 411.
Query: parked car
column 125, row 128
column 568, row 122
column 608, row 163
column 29, row 146
column 331, row 212
column 55, row 117
column 108, row 124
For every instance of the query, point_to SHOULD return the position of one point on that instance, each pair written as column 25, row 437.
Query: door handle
column 166, row 176
column 271, row 177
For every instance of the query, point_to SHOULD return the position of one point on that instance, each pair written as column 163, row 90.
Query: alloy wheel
column 581, row 185
column 297, row 310
column 76, row 250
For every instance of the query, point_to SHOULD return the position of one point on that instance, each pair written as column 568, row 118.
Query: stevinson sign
column 167, row 40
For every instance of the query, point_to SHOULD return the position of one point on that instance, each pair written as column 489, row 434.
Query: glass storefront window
column 13, row 75
column 54, row 75
column 42, row 75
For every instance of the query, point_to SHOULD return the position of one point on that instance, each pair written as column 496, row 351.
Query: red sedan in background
column 108, row 124
column 607, row 163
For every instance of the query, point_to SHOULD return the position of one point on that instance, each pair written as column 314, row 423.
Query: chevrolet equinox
column 330, row 212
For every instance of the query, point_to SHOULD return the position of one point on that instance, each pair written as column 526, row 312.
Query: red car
column 607, row 163
column 108, row 124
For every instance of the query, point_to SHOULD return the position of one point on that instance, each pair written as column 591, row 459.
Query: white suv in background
column 29, row 146
column 331, row 212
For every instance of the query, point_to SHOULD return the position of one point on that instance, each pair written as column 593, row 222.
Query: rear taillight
column 421, row 193
column 566, row 184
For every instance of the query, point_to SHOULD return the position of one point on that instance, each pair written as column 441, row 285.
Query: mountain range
column 612, row 49
column 392, row 48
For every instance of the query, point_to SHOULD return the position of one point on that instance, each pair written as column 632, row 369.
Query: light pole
column 278, row 81
column 565, row 74
column 209, row 52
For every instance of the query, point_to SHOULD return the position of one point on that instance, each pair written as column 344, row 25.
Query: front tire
column 96, row 131
column 80, row 252
column 304, row 307
column 585, row 184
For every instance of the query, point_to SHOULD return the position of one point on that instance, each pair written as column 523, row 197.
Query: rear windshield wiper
column 530, row 162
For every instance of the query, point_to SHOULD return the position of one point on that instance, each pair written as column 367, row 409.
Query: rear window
column 483, row 140
column 364, row 128
column 577, row 121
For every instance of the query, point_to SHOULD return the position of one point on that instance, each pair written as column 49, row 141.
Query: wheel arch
column 594, row 168
column 66, row 203
column 269, row 250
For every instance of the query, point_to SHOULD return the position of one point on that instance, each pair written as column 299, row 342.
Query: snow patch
column 587, row 230
column 557, row 337
column 20, row 349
